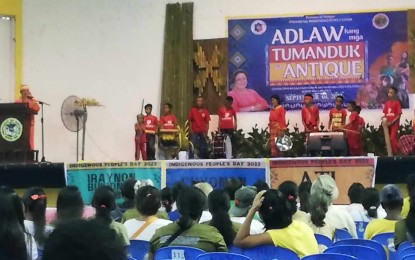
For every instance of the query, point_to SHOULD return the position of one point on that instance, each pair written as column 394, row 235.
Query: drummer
column 168, row 126
column 227, row 118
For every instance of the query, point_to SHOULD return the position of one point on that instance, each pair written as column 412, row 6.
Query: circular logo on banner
column 380, row 21
column 11, row 129
column 258, row 27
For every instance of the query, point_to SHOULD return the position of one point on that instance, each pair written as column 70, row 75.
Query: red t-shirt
column 200, row 119
column 337, row 116
column 168, row 122
column 354, row 121
column 150, row 123
column 310, row 115
column 361, row 121
column 277, row 115
column 226, row 118
column 392, row 109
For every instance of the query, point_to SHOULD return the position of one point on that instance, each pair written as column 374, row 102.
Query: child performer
column 140, row 138
column 353, row 138
column 227, row 118
column 168, row 131
column 150, row 122
column 276, row 124
column 392, row 111
column 310, row 115
column 337, row 115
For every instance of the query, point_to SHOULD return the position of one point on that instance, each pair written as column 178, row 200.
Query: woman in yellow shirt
column 275, row 211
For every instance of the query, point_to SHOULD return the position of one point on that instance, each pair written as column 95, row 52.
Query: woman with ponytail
column 187, row 231
column 104, row 202
column 371, row 203
column 147, row 203
column 276, row 211
column 219, row 205
column 290, row 189
column 35, row 204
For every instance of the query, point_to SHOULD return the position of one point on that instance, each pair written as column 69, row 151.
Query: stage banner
column 215, row 172
column 357, row 55
column 89, row 176
column 345, row 171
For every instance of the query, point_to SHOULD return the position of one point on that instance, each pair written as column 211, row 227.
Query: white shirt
column 31, row 247
column 132, row 225
column 30, row 228
column 256, row 226
column 206, row 216
column 341, row 219
column 357, row 212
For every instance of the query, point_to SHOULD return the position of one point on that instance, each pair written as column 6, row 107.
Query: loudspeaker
column 326, row 144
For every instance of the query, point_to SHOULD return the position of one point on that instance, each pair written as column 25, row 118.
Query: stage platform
column 53, row 175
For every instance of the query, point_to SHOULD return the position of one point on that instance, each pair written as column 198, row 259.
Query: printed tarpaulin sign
column 358, row 56
column 345, row 171
column 89, row 176
column 215, row 172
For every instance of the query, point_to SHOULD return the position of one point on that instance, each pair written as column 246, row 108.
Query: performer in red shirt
column 168, row 143
column 227, row 117
column 392, row 111
column 361, row 120
column 168, row 121
column 277, row 125
column 140, row 138
column 150, row 122
column 310, row 115
column 337, row 115
column 199, row 126
column 27, row 97
column 353, row 138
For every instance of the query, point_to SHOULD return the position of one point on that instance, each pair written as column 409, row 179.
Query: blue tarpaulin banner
column 358, row 56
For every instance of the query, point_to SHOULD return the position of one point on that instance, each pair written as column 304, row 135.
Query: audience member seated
column 410, row 186
column 261, row 185
column 15, row 243
column 104, row 202
column 187, row 231
column 231, row 186
column 340, row 218
column 405, row 228
column 35, row 203
column 69, row 205
column 276, row 212
column 304, row 195
column 206, row 188
column 83, row 240
column 127, row 194
column 355, row 196
column 243, row 202
column 147, row 204
column 289, row 190
column 392, row 201
column 166, row 200
column 370, row 203
column 176, row 189
column 218, row 202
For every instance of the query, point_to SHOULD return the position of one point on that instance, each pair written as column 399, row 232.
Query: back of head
column 83, row 240
column 244, row 197
column 190, row 204
column 355, row 192
column 205, row 187
column 167, row 199
column 127, row 189
column 176, row 189
column 304, row 195
column 325, row 184
column 69, row 204
column 319, row 203
column 290, row 191
column 371, row 201
column 219, row 204
column 12, row 236
column 16, row 201
column 391, row 198
column 261, row 185
column 148, row 200
column 276, row 210
column 104, row 202
column 231, row 186
column 35, row 204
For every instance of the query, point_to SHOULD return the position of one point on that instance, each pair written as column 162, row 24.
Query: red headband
column 36, row 197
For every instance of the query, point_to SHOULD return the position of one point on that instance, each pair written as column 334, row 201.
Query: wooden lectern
column 15, row 133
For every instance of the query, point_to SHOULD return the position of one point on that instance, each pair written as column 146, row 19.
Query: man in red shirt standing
column 199, row 126
column 150, row 123
column 392, row 111
column 227, row 118
column 27, row 97
column 353, row 138
column 310, row 115
column 277, row 124
column 337, row 115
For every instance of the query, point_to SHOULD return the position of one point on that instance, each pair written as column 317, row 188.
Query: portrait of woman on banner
column 244, row 99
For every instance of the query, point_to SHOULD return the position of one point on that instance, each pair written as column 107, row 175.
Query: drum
column 219, row 150
column 168, row 139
